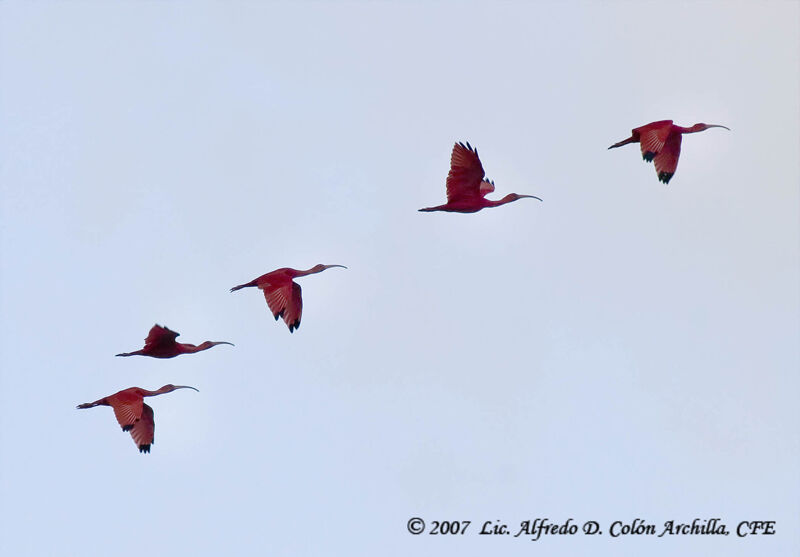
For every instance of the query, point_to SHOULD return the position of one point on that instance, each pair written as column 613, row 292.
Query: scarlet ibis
column 284, row 296
column 133, row 414
column 160, row 343
column 466, row 185
column 661, row 142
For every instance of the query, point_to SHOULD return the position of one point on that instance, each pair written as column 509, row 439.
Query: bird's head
column 702, row 127
column 170, row 387
column 210, row 343
column 320, row 267
column 514, row 196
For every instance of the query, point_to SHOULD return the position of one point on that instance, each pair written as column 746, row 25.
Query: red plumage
column 133, row 414
column 466, row 185
column 661, row 143
column 283, row 295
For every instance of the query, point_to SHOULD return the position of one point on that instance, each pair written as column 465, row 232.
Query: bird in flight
column 661, row 143
column 284, row 296
column 133, row 414
column 467, row 185
column 160, row 343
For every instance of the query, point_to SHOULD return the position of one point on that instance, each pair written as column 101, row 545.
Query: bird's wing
column 159, row 335
column 286, row 301
column 144, row 429
column 652, row 138
column 127, row 409
column 466, row 173
column 666, row 161
column 486, row 187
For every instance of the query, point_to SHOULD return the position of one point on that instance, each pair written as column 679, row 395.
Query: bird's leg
column 239, row 287
column 631, row 139
column 137, row 353
column 101, row 402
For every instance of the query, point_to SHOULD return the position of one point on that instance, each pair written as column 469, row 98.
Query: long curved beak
column 533, row 196
column 718, row 126
column 222, row 342
column 186, row 387
column 329, row 266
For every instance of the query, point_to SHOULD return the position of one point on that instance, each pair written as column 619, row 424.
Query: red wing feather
column 666, row 161
column 127, row 409
column 143, row 431
column 652, row 137
column 466, row 173
column 486, row 187
column 287, row 302
column 159, row 335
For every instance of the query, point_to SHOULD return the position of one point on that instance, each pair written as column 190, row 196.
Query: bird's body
column 283, row 295
column 467, row 186
column 661, row 143
column 160, row 343
column 133, row 414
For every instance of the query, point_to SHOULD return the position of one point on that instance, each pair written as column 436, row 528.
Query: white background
column 623, row 350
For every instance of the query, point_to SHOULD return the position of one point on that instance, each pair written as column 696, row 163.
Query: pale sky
column 623, row 350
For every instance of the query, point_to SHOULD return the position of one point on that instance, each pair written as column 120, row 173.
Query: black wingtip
column 144, row 448
column 127, row 427
column 648, row 156
column 665, row 176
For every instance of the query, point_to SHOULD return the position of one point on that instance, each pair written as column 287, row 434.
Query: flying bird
column 467, row 186
column 160, row 343
column 133, row 414
column 284, row 296
column 661, row 143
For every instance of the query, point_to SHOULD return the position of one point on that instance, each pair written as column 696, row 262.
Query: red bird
column 284, row 296
column 160, row 343
column 661, row 142
column 466, row 185
column 133, row 414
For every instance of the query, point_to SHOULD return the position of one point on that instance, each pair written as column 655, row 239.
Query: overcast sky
column 623, row 350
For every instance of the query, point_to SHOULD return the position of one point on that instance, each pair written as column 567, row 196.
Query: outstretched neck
column 508, row 199
column 315, row 269
column 693, row 129
column 191, row 348
column 165, row 389
column 699, row 128
column 161, row 391
column 186, row 348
